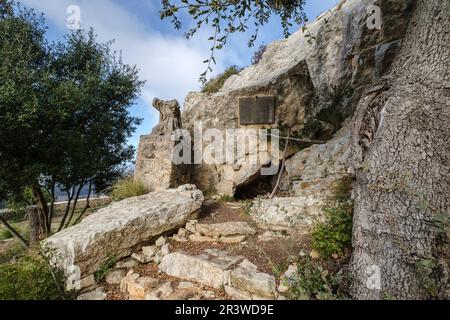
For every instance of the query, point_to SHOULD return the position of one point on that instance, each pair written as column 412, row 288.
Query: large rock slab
column 117, row 230
column 211, row 268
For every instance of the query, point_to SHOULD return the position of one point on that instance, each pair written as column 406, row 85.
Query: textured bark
column 400, row 156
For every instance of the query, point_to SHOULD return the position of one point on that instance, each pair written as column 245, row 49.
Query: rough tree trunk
column 401, row 161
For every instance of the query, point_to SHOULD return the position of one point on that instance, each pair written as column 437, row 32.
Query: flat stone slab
column 225, row 229
column 211, row 268
column 116, row 231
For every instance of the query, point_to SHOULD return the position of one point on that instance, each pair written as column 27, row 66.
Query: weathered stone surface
column 312, row 171
column 161, row 293
column 154, row 166
column 287, row 212
column 142, row 258
column 197, row 238
column 310, row 175
column 225, row 229
column 211, row 268
column 179, row 238
column 165, row 249
column 129, row 279
column 237, row 294
column 246, row 278
column 149, row 251
column 232, row 239
column 117, row 229
column 288, row 279
column 138, row 289
column 326, row 68
column 87, row 282
column 98, row 294
column 169, row 116
column 161, row 241
column 127, row 263
column 115, row 276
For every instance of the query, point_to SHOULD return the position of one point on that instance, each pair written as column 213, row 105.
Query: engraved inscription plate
column 257, row 110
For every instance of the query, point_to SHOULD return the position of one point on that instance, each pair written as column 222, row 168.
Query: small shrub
column 334, row 234
column 100, row 274
column 215, row 84
column 257, row 56
column 313, row 282
column 5, row 234
column 14, row 251
column 247, row 206
column 31, row 278
column 127, row 188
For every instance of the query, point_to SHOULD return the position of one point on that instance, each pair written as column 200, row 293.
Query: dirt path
column 268, row 250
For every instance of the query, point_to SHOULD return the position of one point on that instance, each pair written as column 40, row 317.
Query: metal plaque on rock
column 257, row 110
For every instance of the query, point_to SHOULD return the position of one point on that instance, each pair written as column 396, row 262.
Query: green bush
column 127, row 188
column 215, row 84
column 257, row 56
column 31, row 278
column 335, row 234
column 14, row 251
column 100, row 274
column 227, row 198
column 313, row 282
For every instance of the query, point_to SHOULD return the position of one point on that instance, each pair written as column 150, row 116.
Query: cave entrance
column 262, row 185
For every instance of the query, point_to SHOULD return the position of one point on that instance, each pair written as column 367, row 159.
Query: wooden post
column 34, row 226
column 14, row 232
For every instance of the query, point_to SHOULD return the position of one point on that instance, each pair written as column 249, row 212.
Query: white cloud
column 169, row 64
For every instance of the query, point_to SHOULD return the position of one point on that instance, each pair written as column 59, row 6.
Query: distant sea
column 62, row 195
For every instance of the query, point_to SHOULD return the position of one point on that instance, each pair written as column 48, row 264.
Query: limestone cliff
column 317, row 77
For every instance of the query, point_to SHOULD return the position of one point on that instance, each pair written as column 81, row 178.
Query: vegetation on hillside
column 333, row 236
column 31, row 278
column 126, row 188
column 216, row 83
column 65, row 114
column 229, row 16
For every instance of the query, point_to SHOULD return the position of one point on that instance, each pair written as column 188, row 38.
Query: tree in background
column 64, row 119
column 229, row 16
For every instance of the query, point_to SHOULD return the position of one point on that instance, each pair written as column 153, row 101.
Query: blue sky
column 169, row 63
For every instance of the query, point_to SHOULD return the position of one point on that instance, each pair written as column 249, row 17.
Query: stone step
column 239, row 277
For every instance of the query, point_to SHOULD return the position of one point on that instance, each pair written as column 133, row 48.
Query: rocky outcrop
column 316, row 76
column 154, row 165
column 117, row 230
column 309, row 178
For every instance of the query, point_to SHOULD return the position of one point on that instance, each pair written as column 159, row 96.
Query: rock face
column 154, row 166
column 117, row 230
column 316, row 77
column 309, row 177
column 287, row 211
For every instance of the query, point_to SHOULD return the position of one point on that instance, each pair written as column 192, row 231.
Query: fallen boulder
column 117, row 230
